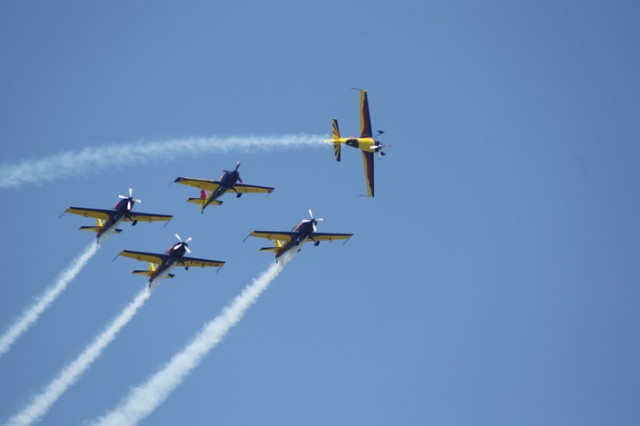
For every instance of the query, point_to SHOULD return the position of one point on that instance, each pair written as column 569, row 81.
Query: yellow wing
column 95, row 213
column 367, row 158
column 365, row 119
column 145, row 257
column 149, row 217
column 202, row 263
column 323, row 236
column 209, row 185
column 239, row 187
column 276, row 236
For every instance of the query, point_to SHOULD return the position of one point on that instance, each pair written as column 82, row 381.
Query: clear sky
column 493, row 280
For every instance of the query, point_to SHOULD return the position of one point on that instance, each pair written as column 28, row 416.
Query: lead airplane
column 109, row 219
column 161, row 264
column 366, row 142
column 216, row 188
column 302, row 233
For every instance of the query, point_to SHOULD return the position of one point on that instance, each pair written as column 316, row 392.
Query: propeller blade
column 320, row 219
column 188, row 239
column 240, row 179
column 130, row 192
column 178, row 237
column 310, row 213
column 237, row 165
column 187, row 248
column 129, row 204
column 123, row 197
column 137, row 200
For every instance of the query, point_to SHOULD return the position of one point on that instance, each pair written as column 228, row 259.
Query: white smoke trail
column 144, row 399
column 31, row 314
column 74, row 163
column 41, row 403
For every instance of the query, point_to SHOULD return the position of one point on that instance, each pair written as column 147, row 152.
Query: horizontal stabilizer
column 201, row 201
column 144, row 272
column 274, row 249
column 90, row 228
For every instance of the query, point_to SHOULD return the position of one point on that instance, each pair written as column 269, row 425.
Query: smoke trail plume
column 74, row 163
column 31, row 314
column 143, row 399
column 41, row 403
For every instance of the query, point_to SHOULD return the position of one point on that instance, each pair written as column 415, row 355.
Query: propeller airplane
column 212, row 190
column 161, row 264
column 304, row 232
column 366, row 142
column 108, row 220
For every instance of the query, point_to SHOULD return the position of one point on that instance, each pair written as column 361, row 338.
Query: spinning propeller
column 184, row 243
column 236, row 171
column 131, row 201
column 313, row 220
column 379, row 145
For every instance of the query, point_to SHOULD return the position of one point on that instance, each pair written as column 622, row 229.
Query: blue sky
column 492, row 281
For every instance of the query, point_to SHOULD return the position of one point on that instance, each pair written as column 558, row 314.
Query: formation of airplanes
column 161, row 264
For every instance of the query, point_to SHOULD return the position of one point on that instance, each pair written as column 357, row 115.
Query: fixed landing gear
column 134, row 223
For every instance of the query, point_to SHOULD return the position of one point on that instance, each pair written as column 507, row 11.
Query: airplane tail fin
column 200, row 201
column 149, row 272
column 337, row 146
column 97, row 228
column 273, row 249
column 336, row 129
column 90, row 228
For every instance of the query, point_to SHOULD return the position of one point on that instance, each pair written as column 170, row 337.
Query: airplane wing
column 275, row 236
column 323, row 236
column 209, row 185
column 149, row 217
column 367, row 157
column 156, row 258
column 203, row 263
column 239, row 187
column 365, row 120
column 95, row 213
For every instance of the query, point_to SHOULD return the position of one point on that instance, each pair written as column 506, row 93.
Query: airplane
column 161, row 264
column 367, row 143
column 108, row 220
column 302, row 233
column 228, row 182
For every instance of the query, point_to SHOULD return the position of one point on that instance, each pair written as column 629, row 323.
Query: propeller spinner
column 184, row 243
column 313, row 220
column 130, row 198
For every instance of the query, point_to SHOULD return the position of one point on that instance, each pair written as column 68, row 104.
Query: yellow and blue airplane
column 109, row 219
column 161, row 264
column 367, row 142
column 228, row 182
column 302, row 233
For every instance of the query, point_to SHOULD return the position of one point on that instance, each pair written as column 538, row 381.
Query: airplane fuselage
column 176, row 252
column 227, row 182
column 121, row 211
column 365, row 144
column 305, row 232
